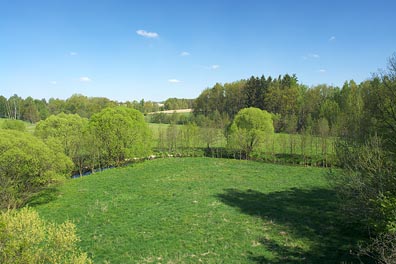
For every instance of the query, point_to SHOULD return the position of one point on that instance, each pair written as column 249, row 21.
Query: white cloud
column 185, row 53
column 312, row 56
column 332, row 38
column 215, row 67
column 53, row 82
column 85, row 79
column 174, row 81
column 146, row 34
column 322, row 71
column 73, row 53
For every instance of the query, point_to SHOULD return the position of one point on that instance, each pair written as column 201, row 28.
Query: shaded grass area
column 306, row 220
column 192, row 210
column 44, row 196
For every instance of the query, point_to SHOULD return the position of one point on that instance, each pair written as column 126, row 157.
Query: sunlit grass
column 192, row 210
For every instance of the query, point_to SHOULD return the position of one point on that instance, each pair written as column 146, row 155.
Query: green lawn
column 192, row 210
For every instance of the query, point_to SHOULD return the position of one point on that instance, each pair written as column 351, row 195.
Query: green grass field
column 202, row 210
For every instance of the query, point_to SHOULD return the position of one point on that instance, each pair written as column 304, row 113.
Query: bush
column 122, row 134
column 382, row 249
column 26, row 165
column 386, row 213
column 367, row 189
column 14, row 125
column 25, row 238
column 368, row 173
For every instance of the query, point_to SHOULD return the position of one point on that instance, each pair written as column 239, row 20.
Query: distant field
column 155, row 127
column 202, row 210
column 172, row 111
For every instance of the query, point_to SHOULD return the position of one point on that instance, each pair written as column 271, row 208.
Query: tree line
column 33, row 110
column 295, row 107
column 65, row 143
column 366, row 151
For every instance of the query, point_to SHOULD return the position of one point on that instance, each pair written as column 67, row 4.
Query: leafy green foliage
column 367, row 175
column 169, row 118
column 387, row 213
column 304, row 149
column 26, row 239
column 72, row 134
column 249, row 128
column 13, row 125
column 175, row 103
column 367, row 153
column 67, row 128
column 30, row 111
column 26, row 164
column 294, row 105
column 122, row 134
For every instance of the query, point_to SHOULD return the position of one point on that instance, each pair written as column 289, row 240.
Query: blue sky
column 127, row 50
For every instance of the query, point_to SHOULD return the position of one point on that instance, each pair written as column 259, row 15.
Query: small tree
column 189, row 134
column 209, row 132
column 26, row 165
column 123, row 134
column 323, row 131
column 72, row 132
column 172, row 135
column 249, row 128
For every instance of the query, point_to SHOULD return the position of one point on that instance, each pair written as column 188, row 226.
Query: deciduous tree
column 26, row 165
column 249, row 128
column 122, row 134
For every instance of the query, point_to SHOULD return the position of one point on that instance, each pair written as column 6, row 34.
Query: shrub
column 368, row 173
column 382, row 249
column 122, row 134
column 26, row 165
column 14, row 125
column 25, row 238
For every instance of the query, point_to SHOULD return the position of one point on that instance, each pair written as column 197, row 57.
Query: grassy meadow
column 202, row 210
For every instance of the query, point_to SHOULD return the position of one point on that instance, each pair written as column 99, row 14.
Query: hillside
column 203, row 210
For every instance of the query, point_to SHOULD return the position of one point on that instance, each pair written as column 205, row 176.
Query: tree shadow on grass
column 44, row 196
column 307, row 215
